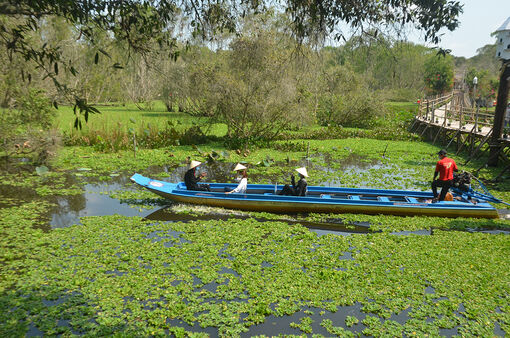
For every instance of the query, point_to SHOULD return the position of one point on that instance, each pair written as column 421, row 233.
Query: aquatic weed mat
column 124, row 275
column 373, row 223
column 389, row 223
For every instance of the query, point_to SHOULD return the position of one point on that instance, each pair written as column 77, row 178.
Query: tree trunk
column 499, row 115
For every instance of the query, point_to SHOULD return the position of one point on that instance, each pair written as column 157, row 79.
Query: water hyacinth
column 238, row 273
column 130, row 275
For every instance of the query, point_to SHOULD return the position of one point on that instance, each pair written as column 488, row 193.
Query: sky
column 479, row 20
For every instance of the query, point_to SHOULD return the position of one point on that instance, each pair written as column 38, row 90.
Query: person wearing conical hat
column 243, row 183
column 191, row 180
column 299, row 189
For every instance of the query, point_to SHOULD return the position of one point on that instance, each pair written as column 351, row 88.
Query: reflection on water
column 320, row 228
column 93, row 202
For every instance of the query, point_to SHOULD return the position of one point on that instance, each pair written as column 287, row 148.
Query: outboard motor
column 462, row 181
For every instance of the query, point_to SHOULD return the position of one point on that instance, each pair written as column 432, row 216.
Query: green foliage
column 147, row 136
column 31, row 109
column 75, row 52
column 439, row 73
column 114, row 265
column 386, row 64
column 346, row 101
column 402, row 94
column 483, row 60
column 252, row 88
column 487, row 86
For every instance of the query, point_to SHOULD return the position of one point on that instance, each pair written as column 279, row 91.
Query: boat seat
column 383, row 199
column 354, row 197
column 411, row 199
column 325, row 196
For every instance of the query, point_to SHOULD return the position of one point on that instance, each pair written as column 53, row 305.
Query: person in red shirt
column 445, row 168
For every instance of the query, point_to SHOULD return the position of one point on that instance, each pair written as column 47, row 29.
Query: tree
column 487, row 85
column 345, row 100
column 393, row 66
column 253, row 87
column 142, row 24
column 439, row 73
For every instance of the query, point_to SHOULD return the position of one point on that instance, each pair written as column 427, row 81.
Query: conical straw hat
column 302, row 171
column 194, row 164
column 239, row 166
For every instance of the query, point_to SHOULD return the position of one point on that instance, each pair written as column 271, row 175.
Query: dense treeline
column 260, row 82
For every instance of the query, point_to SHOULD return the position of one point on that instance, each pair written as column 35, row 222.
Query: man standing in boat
column 191, row 180
column 445, row 168
column 299, row 189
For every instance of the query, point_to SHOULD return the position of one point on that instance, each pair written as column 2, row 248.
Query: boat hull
column 388, row 202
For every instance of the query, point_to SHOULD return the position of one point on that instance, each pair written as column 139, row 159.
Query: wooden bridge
column 451, row 120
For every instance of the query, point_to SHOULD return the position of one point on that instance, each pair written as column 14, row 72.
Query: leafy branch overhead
column 145, row 26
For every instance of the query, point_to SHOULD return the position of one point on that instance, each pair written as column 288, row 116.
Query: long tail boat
column 264, row 197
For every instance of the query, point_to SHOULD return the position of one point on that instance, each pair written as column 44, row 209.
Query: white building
column 503, row 43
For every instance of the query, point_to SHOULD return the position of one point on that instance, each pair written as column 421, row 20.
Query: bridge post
column 476, row 118
column 499, row 115
column 433, row 112
column 461, row 115
column 445, row 114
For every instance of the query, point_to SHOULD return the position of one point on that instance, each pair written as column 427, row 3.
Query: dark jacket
column 191, row 180
column 299, row 188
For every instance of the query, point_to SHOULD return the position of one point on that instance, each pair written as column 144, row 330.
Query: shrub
column 147, row 136
column 35, row 109
column 358, row 108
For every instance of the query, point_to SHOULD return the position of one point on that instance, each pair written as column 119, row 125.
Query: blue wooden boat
column 264, row 197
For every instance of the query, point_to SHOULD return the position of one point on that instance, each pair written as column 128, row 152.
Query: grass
column 118, row 116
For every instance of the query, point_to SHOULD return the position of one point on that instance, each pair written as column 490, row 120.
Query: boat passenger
column 191, row 180
column 445, row 168
column 243, row 183
column 299, row 189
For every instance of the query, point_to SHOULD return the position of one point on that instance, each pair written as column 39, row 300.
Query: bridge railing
column 428, row 106
column 450, row 111
column 475, row 117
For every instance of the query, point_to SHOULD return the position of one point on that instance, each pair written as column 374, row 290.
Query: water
column 93, row 202
column 96, row 201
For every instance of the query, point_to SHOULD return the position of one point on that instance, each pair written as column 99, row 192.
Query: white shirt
column 241, row 187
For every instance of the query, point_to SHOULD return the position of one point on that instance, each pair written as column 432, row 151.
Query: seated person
column 298, row 189
column 191, row 180
column 243, row 183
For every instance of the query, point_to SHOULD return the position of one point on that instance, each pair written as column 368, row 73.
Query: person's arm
column 240, row 187
column 293, row 181
column 190, row 178
column 436, row 172
column 195, row 179
column 455, row 167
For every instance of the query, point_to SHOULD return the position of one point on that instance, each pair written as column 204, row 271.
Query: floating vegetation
column 109, row 276
column 229, row 277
